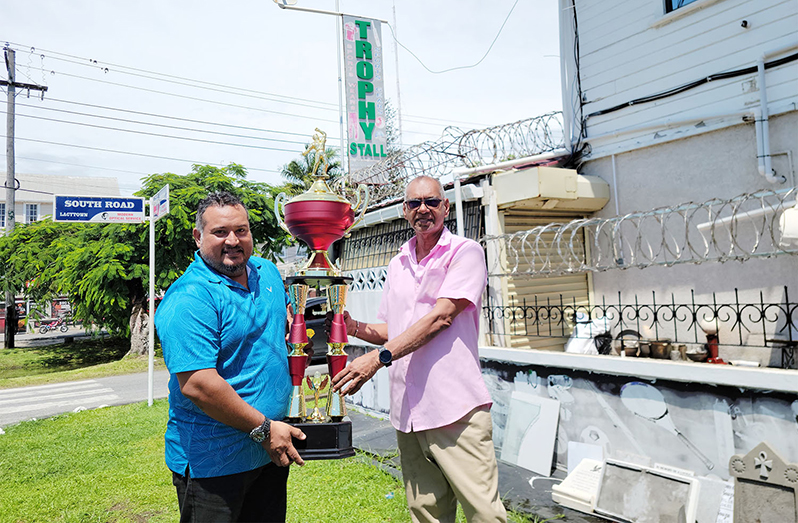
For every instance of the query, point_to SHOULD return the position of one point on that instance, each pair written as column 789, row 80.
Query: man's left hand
column 279, row 445
column 358, row 372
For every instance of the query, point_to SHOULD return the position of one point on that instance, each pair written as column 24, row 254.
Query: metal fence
column 755, row 323
column 375, row 246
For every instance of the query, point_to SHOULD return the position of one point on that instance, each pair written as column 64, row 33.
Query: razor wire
column 457, row 148
column 751, row 225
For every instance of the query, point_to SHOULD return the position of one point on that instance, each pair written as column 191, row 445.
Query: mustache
column 232, row 249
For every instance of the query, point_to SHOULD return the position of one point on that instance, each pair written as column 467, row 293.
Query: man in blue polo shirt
column 222, row 327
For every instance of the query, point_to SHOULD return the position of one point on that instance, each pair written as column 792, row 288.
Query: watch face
column 258, row 437
column 385, row 356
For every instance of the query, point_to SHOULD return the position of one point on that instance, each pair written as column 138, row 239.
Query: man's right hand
column 279, row 446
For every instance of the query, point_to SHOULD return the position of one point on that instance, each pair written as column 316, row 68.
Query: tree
column 297, row 173
column 105, row 268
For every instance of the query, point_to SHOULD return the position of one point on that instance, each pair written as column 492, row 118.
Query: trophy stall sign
column 98, row 209
column 365, row 92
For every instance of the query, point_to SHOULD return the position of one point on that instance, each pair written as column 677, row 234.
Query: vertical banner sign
column 365, row 93
column 160, row 203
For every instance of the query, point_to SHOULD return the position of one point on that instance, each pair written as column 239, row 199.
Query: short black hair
column 216, row 199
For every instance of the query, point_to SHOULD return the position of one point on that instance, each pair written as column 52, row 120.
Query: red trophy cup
column 320, row 217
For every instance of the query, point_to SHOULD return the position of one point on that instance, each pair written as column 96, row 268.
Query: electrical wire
column 80, row 165
column 159, row 135
column 163, row 125
column 157, row 157
column 177, row 118
column 204, row 100
column 692, row 85
column 99, row 64
column 462, row 66
column 221, row 87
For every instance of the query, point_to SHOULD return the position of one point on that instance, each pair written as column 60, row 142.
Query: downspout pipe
column 763, row 127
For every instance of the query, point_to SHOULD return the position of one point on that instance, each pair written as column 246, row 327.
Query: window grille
column 375, row 246
column 31, row 212
column 2, row 215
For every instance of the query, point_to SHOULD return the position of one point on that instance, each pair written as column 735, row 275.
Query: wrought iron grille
column 370, row 247
column 739, row 323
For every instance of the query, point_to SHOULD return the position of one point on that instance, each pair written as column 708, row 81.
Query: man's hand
column 358, row 372
column 279, row 446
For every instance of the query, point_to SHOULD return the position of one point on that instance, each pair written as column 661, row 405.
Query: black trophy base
column 325, row 440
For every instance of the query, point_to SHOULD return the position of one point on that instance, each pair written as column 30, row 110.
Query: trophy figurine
column 319, row 217
column 316, row 384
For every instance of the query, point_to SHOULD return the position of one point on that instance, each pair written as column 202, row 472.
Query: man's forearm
column 211, row 393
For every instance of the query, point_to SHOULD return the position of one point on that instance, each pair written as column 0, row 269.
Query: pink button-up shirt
column 440, row 382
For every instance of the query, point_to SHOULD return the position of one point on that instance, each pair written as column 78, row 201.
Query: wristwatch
column 385, row 357
column 261, row 432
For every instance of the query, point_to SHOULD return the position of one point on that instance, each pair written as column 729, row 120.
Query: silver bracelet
column 357, row 328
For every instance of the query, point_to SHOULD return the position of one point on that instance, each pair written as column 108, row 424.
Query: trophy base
column 322, row 278
column 325, row 440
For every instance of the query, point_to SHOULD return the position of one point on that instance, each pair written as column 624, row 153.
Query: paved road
column 42, row 401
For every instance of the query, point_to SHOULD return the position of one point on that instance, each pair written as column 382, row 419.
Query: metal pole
column 151, row 316
column 10, row 166
column 339, row 34
column 398, row 93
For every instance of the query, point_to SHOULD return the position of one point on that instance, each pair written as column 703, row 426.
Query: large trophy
column 319, row 217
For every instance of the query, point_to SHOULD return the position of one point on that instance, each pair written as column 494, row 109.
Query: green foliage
column 297, row 173
column 104, row 269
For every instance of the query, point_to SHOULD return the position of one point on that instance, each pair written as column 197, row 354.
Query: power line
column 155, row 115
column 139, row 122
column 159, row 135
column 227, row 88
column 462, row 66
column 292, row 115
column 130, row 153
column 97, row 63
column 81, row 165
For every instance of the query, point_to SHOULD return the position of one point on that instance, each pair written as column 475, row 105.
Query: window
column 31, row 212
column 2, row 215
column 673, row 5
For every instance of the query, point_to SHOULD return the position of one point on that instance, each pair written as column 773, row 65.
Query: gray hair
column 424, row 176
column 216, row 199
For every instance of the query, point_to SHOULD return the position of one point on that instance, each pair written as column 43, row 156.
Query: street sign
column 98, row 209
column 160, row 203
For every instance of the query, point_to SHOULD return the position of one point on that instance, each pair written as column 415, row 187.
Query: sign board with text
column 160, row 203
column 98, row 209
column 364, row 73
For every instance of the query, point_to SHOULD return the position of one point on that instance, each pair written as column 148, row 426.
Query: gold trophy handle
column 279, row 210
column 360, row 206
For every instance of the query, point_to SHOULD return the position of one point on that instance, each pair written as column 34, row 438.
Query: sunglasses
column 431, row 203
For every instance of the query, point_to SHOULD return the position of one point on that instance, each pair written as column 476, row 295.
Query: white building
column 34, row 197
column 669, row 102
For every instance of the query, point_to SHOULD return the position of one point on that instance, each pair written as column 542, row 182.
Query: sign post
column 159, row 207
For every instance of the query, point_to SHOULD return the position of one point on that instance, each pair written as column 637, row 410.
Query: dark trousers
column 257, row 495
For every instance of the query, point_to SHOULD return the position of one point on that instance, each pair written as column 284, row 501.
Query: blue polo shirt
column 208, row 321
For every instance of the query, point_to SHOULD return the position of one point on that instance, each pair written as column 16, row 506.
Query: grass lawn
column 85, row 358
column 107, row 465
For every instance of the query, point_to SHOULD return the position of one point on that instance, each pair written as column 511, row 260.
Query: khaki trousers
column 449, row 464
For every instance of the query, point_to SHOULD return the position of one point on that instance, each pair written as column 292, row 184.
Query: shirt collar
column 409, row 247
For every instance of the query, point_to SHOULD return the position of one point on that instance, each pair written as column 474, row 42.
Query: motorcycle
column 53, row 325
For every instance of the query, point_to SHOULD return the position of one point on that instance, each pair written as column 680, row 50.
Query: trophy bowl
column 319, row 217
column 318, row 223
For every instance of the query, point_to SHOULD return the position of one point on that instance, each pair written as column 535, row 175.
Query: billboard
column 98, row 209
column 365, row 92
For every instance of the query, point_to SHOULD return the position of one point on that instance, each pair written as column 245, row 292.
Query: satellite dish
column 285, row 2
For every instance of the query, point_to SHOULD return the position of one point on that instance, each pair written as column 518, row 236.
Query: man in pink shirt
column 440, row 405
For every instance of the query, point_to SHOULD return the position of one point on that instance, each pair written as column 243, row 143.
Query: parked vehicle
column 58, row 323
column 315, row 312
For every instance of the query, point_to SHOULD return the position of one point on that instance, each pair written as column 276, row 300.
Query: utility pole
column 11, row 181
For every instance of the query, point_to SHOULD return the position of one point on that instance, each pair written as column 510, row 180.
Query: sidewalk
column 377, row 437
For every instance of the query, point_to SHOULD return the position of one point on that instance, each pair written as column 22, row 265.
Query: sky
column 136, row 88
